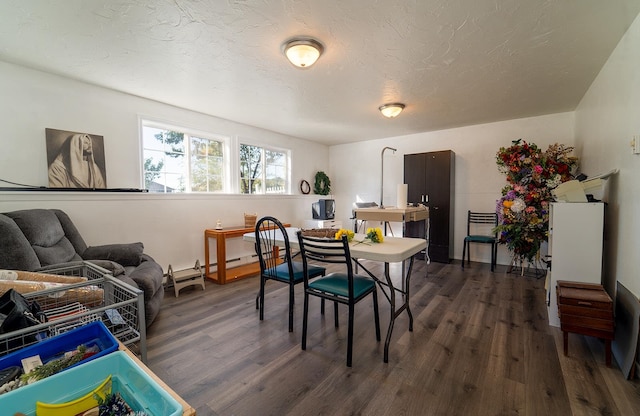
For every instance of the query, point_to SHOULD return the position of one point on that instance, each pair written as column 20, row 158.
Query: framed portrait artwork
column 75, row 160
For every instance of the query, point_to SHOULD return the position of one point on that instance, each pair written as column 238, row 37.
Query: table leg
column 392, row 300
column 406, row 293
column 206, row 254
column 221, row 253
column 391, row 297
column 392, row 320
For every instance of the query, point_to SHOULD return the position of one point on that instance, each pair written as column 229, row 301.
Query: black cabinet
column 430, row 180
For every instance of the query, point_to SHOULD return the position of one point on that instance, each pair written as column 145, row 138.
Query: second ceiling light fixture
column 305, row 51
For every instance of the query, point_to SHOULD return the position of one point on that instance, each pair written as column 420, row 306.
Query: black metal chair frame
column 337, row 287
column 486, row 218
column 273, row 263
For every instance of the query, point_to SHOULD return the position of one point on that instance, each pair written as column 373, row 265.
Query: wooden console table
column 223, row 275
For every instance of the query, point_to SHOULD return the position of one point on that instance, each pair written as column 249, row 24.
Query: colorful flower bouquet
column 523, row 209
column 375, row 235
column 344, row 231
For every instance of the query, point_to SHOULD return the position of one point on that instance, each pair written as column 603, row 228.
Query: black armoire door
column 430, row 180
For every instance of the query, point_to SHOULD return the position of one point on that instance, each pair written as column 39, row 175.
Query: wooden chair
column 487, row 221
column 279, row 268
column 342, row 287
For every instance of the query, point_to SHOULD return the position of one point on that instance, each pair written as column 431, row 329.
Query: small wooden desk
column 223, row 275
column 586, row 309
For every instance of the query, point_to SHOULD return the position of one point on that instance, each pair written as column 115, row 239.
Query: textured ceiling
column 452, row 62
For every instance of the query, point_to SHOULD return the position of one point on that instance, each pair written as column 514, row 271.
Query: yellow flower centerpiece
column 375, row 235
column 344, row 231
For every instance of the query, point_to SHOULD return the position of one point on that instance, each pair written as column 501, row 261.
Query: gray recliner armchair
column 39, row 239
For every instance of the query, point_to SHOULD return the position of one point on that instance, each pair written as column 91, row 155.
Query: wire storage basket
column 101, row 297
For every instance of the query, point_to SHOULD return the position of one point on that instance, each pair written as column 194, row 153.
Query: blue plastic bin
column 135, row 386
column 94, row 333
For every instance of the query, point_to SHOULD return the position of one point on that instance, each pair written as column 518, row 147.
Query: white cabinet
column 322, row 224
column 575, row 244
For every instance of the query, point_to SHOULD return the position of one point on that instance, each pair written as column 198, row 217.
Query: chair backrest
column 34, row 238
column 268, row 232
column 327, row 251
column 484, row 223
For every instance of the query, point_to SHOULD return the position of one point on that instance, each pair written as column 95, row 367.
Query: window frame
column 264, row 147
column 227, row 157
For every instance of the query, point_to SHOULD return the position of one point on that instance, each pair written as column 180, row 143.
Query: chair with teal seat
column 276, row 264
column 343, row 287
column 480, row 229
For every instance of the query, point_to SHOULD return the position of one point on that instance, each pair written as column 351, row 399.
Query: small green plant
column 54, row 366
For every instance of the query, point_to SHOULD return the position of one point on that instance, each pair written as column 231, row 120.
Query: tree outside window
column 262, row 170
column 175, row 161
column 250, row 169
column 207, row 165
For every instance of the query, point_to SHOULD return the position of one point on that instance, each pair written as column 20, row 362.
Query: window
column 177, row 161
column 263, row 170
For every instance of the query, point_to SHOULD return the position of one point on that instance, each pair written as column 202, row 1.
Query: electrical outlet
column 635, row 144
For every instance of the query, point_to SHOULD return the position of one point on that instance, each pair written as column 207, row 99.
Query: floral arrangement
column 114, row 405
column 344, row 231
column 523, row 209
column 375, row 235
column 57, row 365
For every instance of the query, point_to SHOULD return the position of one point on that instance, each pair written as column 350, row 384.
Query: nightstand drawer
column 605, row 313
column 576, row 321
column 586, row 298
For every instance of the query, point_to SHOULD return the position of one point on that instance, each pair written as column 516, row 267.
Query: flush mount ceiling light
column 391, row 110
column 302, row 52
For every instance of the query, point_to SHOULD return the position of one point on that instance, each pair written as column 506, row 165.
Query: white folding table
column 391, row 250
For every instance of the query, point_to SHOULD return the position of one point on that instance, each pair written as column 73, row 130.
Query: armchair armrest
column 123, row 254
column 113, row 267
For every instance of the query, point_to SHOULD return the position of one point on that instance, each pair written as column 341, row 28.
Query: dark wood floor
column 481, row 345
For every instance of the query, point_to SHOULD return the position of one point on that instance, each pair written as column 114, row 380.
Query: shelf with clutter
column 582, row 188
column 65, row 374
column 74, row 295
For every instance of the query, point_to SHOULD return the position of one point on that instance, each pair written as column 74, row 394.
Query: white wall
column 606, row 120
column 355, row 168
column 170, row 226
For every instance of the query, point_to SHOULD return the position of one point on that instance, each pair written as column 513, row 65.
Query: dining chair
column 278, row 266
column 482, row 224
column 341, row 287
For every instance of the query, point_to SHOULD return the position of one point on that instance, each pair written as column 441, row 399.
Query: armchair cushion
column 16, row 252
column 124, row 254
column 43, row 231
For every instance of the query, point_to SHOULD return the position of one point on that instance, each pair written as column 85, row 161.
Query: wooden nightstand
column 587, row 309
